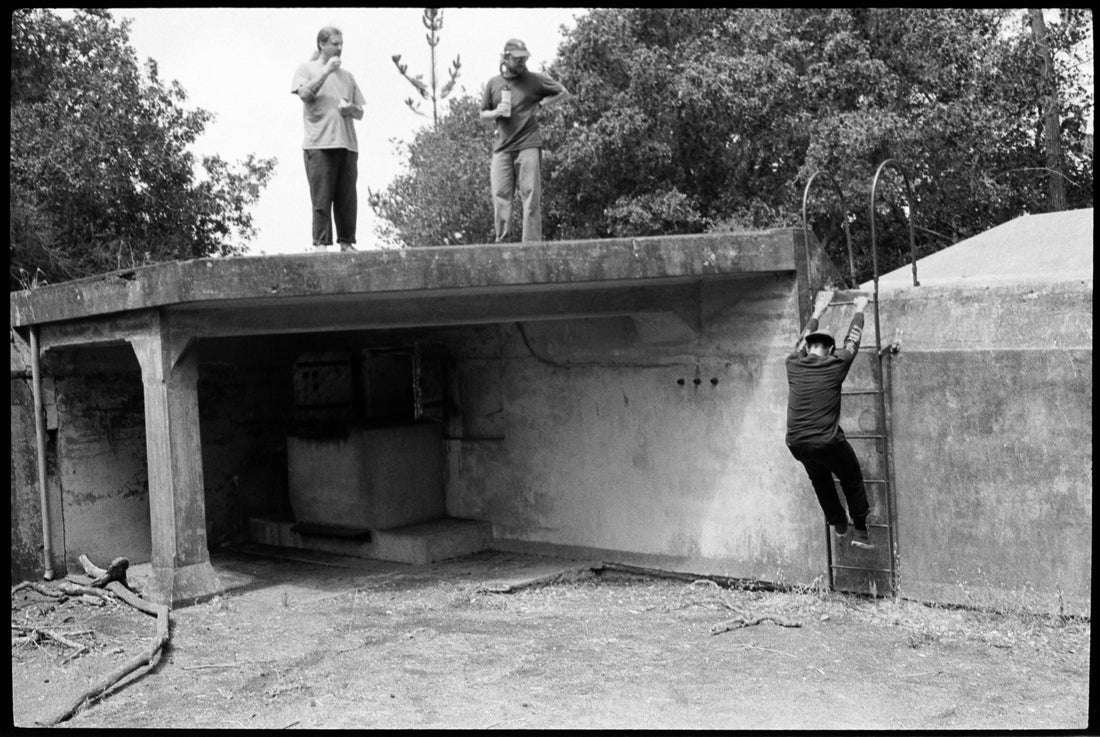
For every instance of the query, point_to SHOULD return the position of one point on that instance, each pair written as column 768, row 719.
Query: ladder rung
column 861, row 391
column 873, row 524
column 875, row 481
column 863, row 435
column 862, row 568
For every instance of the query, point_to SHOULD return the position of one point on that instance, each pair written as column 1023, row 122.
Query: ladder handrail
column 806, row 229
column 895, row 164
column 883, row 420
column 880, row 353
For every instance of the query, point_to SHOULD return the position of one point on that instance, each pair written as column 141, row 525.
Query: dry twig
column 741, row 621
column 38, row 632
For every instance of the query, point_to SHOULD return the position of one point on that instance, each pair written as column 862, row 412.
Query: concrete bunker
column 622, row 399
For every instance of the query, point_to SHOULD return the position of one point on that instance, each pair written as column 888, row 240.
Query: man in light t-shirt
column 331, row 101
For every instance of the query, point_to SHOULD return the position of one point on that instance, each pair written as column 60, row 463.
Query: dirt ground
column 505, row 641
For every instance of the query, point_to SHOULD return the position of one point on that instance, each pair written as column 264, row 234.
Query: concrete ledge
column 405, row 270
column 422, row 543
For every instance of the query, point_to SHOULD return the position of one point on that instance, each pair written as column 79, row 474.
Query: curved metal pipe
column 895, row 164
column 40, row 447
column 806, row 227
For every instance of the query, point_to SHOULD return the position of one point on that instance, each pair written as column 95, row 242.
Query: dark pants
column 822, row 462
column 332, row 173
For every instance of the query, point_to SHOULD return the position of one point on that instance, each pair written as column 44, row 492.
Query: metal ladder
column 854, row 569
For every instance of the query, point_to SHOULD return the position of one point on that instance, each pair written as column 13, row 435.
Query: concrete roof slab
column 1055, row 246
column 413, row 273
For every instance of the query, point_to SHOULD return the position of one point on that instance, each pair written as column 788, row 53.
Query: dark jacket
column 813, row 402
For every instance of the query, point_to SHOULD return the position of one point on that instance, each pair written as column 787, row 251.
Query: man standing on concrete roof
column 513, row 99
column 815, row 374
column 330, row 101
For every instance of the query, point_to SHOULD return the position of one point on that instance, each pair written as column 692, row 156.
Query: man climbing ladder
column 815, row 374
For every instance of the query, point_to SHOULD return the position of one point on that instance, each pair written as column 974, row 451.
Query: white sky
column 238, row 64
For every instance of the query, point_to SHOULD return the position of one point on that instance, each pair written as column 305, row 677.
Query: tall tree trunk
column 1049, row 102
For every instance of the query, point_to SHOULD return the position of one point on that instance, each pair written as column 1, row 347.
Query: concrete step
column 431, row 541
column 421, row 543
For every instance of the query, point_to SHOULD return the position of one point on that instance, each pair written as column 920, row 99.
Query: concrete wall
column 97, row 474
column 620, row 438
column 27, row 559
column 992, row 421
column 608, row 454
column 101, row 467
column 639, row 440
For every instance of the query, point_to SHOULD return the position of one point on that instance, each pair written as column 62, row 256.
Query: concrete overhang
column 409, row 287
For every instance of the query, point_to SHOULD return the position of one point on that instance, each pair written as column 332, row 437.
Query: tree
column 729, row 111
column 442, row 198
column 685, row 120
column 100, row 173
column 433, row 21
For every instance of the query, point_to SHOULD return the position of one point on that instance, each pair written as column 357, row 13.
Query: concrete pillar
column 180, row 559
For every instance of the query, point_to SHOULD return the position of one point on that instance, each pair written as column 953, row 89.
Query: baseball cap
column 515, row 47
column 820, row 336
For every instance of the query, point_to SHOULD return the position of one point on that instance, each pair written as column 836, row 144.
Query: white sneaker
column 861, row 539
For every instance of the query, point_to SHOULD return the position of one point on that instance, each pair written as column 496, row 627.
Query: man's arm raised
column 821, row 303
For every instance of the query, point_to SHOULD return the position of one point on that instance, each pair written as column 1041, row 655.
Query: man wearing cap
column 815, row 373
column 512, row 99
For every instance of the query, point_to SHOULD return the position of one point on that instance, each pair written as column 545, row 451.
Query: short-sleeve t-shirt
column 325, row 126
column 521, row 129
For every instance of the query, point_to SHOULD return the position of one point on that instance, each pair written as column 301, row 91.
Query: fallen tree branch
column 740, row 622
column 40, row 588
column 72, row 588
column 146, row 659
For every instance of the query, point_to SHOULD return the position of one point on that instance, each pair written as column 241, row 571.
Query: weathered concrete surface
column 992, row 422
column 672, row 451
column 634, row 405
column 162, row 309
column 425, row 542
column 416, row 271
column 1053, row 246
column 177, row 504
column 374, row 478
column 102, row 468
column 27, row 560
column 26, row 515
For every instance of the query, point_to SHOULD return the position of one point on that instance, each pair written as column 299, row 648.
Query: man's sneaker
column 320, row 248
column 347, row 247
column 861, row 539
column 841, row 528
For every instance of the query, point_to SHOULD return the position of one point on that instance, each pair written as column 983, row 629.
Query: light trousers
column 511, row 171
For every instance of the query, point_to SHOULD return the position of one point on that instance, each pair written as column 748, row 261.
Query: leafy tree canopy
column 441, row 198
column 101, row 176
column 683, row 120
